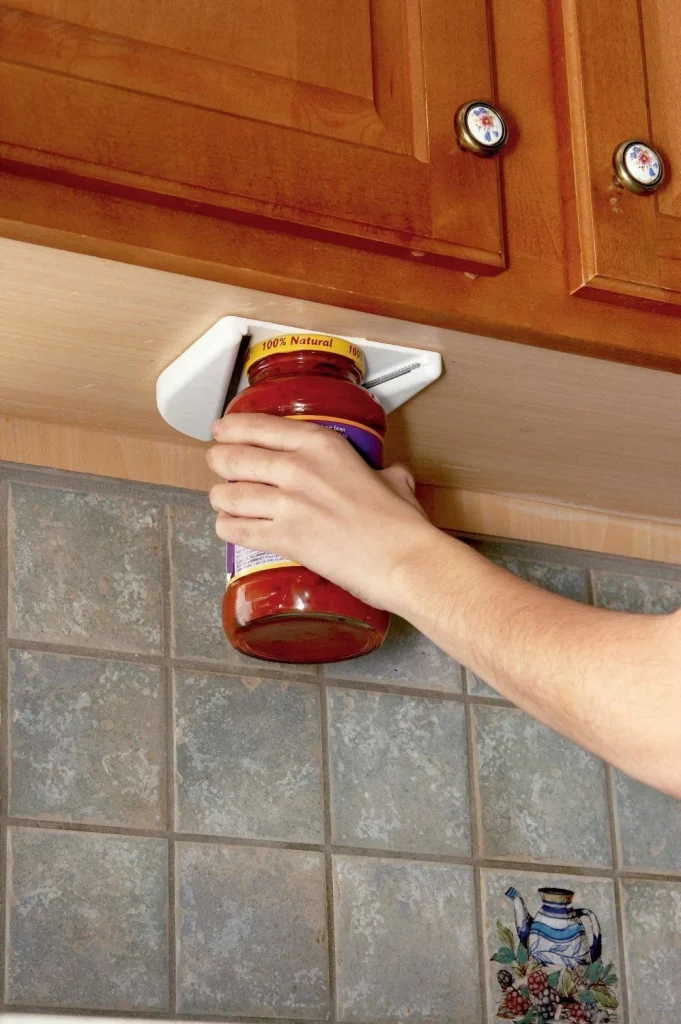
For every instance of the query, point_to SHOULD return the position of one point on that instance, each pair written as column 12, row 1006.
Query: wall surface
column 190, row 833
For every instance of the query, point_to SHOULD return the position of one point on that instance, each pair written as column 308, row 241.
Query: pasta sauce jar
column 273, row 608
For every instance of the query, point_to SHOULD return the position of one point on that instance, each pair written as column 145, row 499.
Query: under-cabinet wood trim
column 79, row 450
column 541, row 522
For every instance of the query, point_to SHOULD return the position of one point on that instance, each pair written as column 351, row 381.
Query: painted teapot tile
column 551, row 948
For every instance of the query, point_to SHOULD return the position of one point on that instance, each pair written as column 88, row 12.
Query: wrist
column 411, row 575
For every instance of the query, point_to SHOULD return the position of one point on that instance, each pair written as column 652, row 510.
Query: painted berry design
column 536, row 993
column 515, row 1005
column 505, row 979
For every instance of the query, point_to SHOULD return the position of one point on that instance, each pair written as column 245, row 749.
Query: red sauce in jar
column 275, row 609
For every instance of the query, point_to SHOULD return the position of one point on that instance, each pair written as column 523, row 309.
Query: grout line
column 72, row 650
column 613, row 823
column 167, row 632
column 369, row 686
column 622, row 963
column 159, row 1015
column 494, row 863
column 477, row 848
column 4, row 730
column 328, row 857
column 77, row 826
column 260, row 669
column 616, row 843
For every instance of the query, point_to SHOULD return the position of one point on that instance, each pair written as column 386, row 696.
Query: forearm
column 609, row 681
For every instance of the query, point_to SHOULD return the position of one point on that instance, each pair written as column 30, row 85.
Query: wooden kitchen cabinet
column 619, row 77
column 329, row 120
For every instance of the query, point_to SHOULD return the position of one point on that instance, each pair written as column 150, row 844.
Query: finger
column 262, row 431
column 245, row 462
column 246, row 500
column 399, row 478
column 256, row 534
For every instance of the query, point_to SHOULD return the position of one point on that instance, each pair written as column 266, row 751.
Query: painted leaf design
column 595, row 971
column 567, row 985
column 505, row 935
column 504, row 1013
column 531, row 1017
column 522, row 954
column 586, row 996
column 504, row 955
column 553, row 979
column 609, row 979
column 604, row 997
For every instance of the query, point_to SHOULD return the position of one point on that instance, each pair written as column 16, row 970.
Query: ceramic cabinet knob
column 638, row 166
column 480, row 128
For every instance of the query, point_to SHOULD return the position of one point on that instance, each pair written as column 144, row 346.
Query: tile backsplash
column 189, row 833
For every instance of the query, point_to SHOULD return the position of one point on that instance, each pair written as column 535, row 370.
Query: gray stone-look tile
column 649, row 825
column 500, row 934
column 248, row 758
column 558, row 579
column 406, row 946
column 542, row 797
column 398, row 772
column 87, row 925
column 197, row 559
column 623, row 593
column 407, row 658
column 565, row 580
column 87, row 740
column 252, row 932
column 477, row 687
column 652, row 949
column 85, row 569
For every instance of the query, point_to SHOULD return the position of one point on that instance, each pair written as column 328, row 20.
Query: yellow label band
column 282, row 564
column 306, row 343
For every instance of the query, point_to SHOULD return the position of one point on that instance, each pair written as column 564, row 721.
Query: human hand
column 301, row 491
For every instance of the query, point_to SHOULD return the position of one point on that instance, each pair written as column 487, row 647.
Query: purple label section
column 368, row 444
column 230, row 561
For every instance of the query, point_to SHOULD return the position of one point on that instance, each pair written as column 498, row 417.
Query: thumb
column 401, row 481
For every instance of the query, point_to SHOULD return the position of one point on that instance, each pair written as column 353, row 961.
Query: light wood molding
column 83, row 341
column 149, row 460
column 79, row 450
column 502, row 515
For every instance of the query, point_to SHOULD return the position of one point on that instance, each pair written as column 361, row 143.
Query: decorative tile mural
column 554, row 959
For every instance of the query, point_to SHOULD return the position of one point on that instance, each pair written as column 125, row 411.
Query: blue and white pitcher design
column 556, row 936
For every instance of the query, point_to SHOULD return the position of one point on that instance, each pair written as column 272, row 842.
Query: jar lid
column 281, row 343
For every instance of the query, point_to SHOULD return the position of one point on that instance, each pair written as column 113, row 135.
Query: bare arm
column 609, row 681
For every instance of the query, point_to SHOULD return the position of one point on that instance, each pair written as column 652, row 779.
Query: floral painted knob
column 638, row 166
column 480, row 128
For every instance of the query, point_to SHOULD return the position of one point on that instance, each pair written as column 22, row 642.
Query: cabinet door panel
column 326, row 117
column 621, row 79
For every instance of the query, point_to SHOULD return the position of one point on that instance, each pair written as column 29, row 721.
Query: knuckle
column 214, row 496
column 233, row 531
column 330, row 440
column 293, row 470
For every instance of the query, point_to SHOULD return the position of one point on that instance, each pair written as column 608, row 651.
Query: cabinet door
column 621, row 80
column 319, row 117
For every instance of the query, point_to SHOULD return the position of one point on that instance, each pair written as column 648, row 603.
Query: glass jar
column 273, row 608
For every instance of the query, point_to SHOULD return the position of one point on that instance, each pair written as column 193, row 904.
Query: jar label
column 369, row 443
